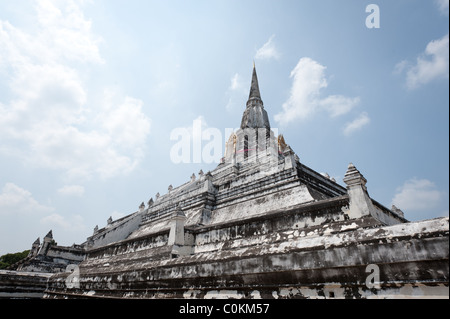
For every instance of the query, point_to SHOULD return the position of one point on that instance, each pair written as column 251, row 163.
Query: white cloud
column 15, row 200
column 74, row 223
column 305, row 97
column 417, row 194
column 61, row 34
column 443, row 6
column 71, row 190
column 357, row 124
column 400, row 67
column 308, row 80
column 236, row 83
column 236, row 92
column 125, row 123
column 268, row 51
column 67, row 31
column 49, row 120
column 338, row 105
column 433, row 64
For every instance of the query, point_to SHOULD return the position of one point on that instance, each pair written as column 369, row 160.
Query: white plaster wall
column 117, row 232
column 258, row 206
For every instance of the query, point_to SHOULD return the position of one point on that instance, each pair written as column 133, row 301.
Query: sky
column 93, row 93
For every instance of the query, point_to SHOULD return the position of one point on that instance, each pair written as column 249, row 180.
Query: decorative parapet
column 398, row 211
column 46, row 244
column 114, row 231
column 176, row 235
column 181, row 242
column 360, row 202
column 35, row 248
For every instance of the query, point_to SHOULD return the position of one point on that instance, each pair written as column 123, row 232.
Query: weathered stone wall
column 56, row 259
column 297, row 218
column 123, row 248
column 260, row 225
column 386, row 216
column 66, row 253
column 319, row 183
column 15, row 284
column 328, row 260
column 220, row 197
column 116, row 231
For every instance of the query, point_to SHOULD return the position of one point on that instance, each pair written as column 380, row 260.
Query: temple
column 260, row 225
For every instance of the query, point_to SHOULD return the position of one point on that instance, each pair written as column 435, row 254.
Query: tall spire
column 254, row 88
column 254, row 115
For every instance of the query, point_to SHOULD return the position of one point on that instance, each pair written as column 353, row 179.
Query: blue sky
column 90, row 92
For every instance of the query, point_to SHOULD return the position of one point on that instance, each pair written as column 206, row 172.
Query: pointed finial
column 254, row 87
column 49, row 235
column 353, row 176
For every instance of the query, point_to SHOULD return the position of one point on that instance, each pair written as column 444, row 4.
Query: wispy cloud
column 417, row 195
column 236, row 93
column 73, row 223
column 431, row 65
column 49, row 114
column 71, row 190
column 357, row 124
column 443, row 6
column 15, row 200
column 268, row 51
column 337, row 105
column 306, row 94
column 236, row 83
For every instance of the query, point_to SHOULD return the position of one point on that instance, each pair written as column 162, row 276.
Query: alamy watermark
column 73, row 280
column 198, row 144
column 373, row 19
column 373, row 279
